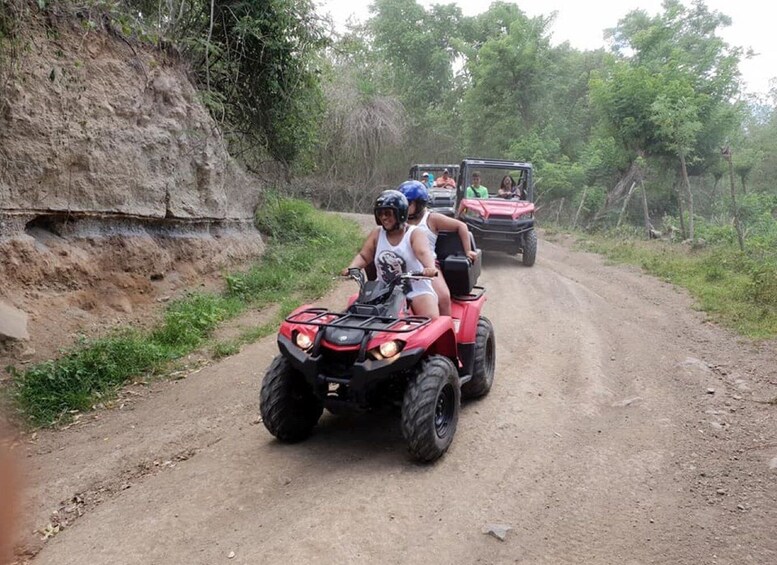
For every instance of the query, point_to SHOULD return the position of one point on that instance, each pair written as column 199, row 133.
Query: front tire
column 485, row 361
column 289, row 408
column 529, row 248
column 430, row 409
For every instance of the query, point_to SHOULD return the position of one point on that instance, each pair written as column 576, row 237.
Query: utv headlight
column 303, row 341
column 470, row 213
column 526, row 216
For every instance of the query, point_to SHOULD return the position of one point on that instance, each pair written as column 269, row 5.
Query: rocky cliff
column 111, row 171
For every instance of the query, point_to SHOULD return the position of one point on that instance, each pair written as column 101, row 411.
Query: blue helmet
column 414, row 191
column 392, row 200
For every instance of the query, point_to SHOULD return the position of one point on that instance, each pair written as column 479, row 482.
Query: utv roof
column 434, row 166
column 496, row 163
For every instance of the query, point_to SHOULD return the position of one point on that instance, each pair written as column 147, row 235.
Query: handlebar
column 358, row 275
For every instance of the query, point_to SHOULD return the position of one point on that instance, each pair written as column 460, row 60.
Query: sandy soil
column 622, row 428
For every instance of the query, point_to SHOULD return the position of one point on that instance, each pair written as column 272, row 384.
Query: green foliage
column 261, row 57
column 562, row 179
column 48, row 391
column 307, row 248
column 189, row 320
column 509, row 74
column 732, row 288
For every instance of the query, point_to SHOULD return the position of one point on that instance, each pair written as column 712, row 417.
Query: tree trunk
column 579, row 208
column 645, row 213
column 625, row 204
column 687, row 184
column 618, row 190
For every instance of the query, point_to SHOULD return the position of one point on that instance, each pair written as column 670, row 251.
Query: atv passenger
column 398, row 248
column 476, row 190
column 427, row 182
column 432, row 223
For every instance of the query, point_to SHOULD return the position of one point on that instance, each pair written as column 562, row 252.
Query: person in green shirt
column 476, row 190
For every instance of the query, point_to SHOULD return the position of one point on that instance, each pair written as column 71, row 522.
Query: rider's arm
column 438, row 222
column 420, row 244
column 366, row 255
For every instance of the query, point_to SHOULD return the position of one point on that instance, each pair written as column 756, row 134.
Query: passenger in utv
column 476, row 190
column 507, row 188
column 432, row 223
column 445, row 181
column 395, row 248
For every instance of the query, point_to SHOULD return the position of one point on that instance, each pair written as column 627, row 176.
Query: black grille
column 337, row 363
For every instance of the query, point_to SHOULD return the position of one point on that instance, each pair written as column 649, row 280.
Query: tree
column 657, row 59
column 676, row 117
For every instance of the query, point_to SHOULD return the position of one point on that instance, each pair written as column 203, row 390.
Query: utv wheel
column 289, row 408
column 485, row 361
column 430, row 409
column 529, row 248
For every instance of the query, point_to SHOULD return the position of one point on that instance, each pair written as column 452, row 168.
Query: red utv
column 376, row 353
column 501, row 223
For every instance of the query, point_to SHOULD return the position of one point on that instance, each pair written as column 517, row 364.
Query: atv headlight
column 470, row 213
column 387, row 350
column 303, row 341
column 526, row 216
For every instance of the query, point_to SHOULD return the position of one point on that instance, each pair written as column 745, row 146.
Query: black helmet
column 392, row 200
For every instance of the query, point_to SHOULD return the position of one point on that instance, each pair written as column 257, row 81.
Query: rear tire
column 289, row 408
column 485, row 361
column 430, row 409
column 529, row 248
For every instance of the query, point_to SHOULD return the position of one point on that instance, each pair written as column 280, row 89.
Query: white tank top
column 390, row 260
column 431, row 236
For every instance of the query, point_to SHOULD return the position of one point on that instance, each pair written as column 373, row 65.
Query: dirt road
column 622, row 428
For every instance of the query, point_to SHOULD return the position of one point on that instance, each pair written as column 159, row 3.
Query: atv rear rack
column 366, row 322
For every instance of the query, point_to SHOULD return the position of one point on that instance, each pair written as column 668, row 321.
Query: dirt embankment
column 116, row 188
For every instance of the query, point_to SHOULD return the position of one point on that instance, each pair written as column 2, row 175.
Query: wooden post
column 579, row 208
column 645, row 213
column 558, row 212
column 726, row 152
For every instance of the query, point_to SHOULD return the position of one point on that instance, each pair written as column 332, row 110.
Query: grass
column 734, row 289
column 305, row 248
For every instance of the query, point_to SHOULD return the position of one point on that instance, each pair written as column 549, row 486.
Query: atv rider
column 397, row 248
column 432, row 223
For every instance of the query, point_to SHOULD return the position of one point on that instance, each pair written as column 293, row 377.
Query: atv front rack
column 353, row 321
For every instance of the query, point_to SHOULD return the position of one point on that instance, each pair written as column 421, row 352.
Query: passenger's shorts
column 421, row 287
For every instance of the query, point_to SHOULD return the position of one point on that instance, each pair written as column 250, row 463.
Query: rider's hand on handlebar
column 429, row 272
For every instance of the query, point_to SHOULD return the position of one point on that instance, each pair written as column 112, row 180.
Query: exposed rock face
column 13, row 323
column 92, row 124
column 116, row 189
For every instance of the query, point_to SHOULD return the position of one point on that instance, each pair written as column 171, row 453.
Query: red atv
column 377, row 354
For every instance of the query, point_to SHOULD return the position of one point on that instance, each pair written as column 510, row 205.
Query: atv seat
column 460, row 275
